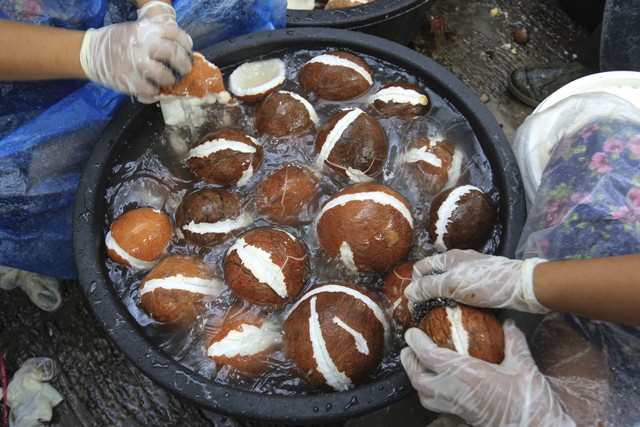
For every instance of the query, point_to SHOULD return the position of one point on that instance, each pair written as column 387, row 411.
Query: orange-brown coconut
column 436, row 164
column 401, row 99
column 139, row 238
column 285, row 113
column 395, row 282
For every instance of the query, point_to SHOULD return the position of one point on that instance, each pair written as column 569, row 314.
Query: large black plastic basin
column 128, row 335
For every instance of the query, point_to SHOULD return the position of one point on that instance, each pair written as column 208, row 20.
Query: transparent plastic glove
column 513, row 393
column 476, row 279
column 29, row 394
column 44, row 291
column 138, row 57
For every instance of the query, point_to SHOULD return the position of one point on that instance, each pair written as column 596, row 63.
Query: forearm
column 35, row 52
column 601, row 288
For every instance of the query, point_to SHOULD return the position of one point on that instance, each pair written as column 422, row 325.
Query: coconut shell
column 485, row 337
column 283, row 113
column 336, row 82
column 401, row 99
column 395, row 282
column 257, row 284
column 203, row 78
column 378, row 235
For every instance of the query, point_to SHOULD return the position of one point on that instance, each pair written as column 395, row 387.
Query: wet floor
column 472, row 39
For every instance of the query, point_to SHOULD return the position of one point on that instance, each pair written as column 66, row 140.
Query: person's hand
column 476, row 279
column 512, row 393
column 138, row 57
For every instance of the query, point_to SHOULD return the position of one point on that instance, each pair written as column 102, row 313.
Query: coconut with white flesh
column 462, row 217
column 284, row 113
column 353, row 144
column 395, row 282
column 227, row 156
column 401, row 99
column 335, row 333
column 254, row 80
column 267, row 267
column 175, row 288
column 468, row 330
column 210, row 216
column 336, row 76
column 139, row 238
column 367, row 226
column 184, row 103
column 435, row 162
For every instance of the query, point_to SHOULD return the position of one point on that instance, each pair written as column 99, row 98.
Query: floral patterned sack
column 587, row 205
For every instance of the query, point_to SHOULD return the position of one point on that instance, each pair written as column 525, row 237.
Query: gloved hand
column 476, row 279
column 513, row 393
column 138, row 57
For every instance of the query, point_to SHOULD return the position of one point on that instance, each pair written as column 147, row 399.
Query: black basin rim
column 352, row 17
column 128, row 335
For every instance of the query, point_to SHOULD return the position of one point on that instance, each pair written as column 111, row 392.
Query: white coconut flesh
column 455, row 170
column 445, row 211
column 373, row 306
column 257, row 77
column 335, row 378
column 220, row 144
column 134, row 262
column 210, row 287
column 422, row 155
column 360, row 341
column 346, row 256
column 301, row 4
column 225, row 226
column 258, row 262
column 336, row 61
column 250, row 341
column 459, row 335
column 335, row 133
column 374, row 196
column 400, row 95
column 312, row 112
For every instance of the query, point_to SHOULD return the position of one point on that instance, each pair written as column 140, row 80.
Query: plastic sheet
column 587, row 205
column 47, row 129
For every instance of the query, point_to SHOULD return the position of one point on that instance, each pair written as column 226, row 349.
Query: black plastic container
column 128, row 335
column 396, row 20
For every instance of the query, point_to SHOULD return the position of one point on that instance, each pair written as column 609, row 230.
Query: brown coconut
column 436, row 164
column 285, row 113
column 266, row 267
column 209, row 216
column 289, row 196
column 245, row 343
column 139, row 238
column 226, row 156
column 468, row 330
column 401, row 99
column 335, row 334
column 341, row 4
column 367, row 226
column 176, row 287
column 395, row 282
column 336, row 76
column 461, row 217
column 353, row 144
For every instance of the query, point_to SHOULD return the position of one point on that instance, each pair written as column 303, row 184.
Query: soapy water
column 152, row 171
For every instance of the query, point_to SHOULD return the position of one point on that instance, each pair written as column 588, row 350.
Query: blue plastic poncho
column 47, row 129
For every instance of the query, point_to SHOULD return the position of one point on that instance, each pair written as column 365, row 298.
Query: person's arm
column 36, row 52
column 604, row 288
column 600, row 288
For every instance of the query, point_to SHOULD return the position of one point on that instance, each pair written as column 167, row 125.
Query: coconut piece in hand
column 254, row 80
column 184, row 102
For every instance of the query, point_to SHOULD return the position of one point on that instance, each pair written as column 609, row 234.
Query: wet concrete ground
column 102, row 388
